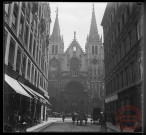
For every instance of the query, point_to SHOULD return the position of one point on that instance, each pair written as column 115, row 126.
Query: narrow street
column 67, row 126
column 76, row 61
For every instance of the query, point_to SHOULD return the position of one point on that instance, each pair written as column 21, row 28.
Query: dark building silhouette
column 26, row 41
column 123, row 46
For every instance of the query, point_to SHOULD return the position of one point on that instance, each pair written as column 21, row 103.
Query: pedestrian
column 73, row 117
column 63, row 117
column 103, row 124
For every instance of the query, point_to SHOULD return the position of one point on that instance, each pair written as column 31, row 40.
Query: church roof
column 74, row 42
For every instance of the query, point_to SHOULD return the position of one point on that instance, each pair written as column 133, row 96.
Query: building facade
column 26, row 60
column 123, row 46
column 75, row 76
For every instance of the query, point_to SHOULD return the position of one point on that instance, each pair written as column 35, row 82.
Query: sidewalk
column 41, row 126
column 115, row 128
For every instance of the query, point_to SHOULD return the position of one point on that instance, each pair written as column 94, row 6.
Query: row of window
column 116, row 32
column 26, row 11
column 130, row 40
column 94, row 50
column 23, row 63
column 127, row 76
column 93, row 72
column 74, row 72
column 25, row 31
column 113, row 14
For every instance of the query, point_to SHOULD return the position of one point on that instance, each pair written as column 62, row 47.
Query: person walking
column 73, row 117
column 63, row 117
column 103, row 124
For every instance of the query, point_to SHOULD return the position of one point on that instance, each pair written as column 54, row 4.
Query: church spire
column 93, row 7
column 56, row 29
column 93, row 27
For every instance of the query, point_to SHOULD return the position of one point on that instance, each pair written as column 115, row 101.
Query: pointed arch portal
column 75, row 99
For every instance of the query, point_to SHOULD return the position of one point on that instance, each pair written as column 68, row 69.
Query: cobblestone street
column 67, row 126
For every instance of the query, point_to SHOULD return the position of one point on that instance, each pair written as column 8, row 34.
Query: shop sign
column 114, row 97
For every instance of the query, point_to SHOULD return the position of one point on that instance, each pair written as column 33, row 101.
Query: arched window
column 92, row 49
column 96, row 49
column 52, row 49
column 74, row 49
column 74, row 65
column 56, row 49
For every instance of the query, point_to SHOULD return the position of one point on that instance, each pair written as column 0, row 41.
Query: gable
column 72, row 47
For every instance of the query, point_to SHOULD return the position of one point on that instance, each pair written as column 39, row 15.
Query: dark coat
column 63, row 116
column 73, row 117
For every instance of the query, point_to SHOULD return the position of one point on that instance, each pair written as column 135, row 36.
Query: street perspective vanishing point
column 73, row 67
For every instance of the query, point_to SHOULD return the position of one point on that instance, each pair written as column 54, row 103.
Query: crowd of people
column 102, row 120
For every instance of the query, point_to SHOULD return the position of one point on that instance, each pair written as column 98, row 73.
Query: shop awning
column 28, row 89
column 35, row 93
column 16, row 86
column 47, row 101
column 39, row 95
column 47, row 96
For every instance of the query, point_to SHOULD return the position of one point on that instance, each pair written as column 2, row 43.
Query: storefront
column 16, row 101
column 41, row 103
column 20, row 100
column 130, row 96
column 111, row 106
column 47, row 107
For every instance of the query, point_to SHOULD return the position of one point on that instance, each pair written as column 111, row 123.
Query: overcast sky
column 76, row 16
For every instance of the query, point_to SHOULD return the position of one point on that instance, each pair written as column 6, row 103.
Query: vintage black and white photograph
column 73, row 67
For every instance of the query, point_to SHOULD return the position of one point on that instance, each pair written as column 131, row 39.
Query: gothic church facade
column 75, row 77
